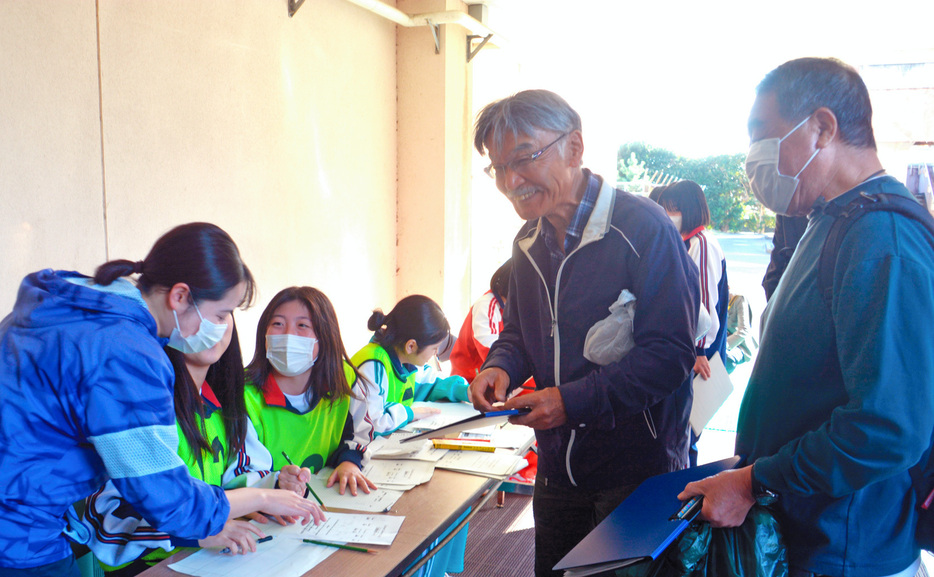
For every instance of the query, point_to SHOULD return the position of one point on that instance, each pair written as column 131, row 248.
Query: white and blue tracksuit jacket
column 86, row 396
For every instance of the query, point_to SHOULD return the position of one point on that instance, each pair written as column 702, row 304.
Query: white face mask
column 676, row 219
column 208, row 335
column 290, row 355
column 772, row 188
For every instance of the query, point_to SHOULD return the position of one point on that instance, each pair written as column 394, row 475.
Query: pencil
column 339, row 546
column 315, row 495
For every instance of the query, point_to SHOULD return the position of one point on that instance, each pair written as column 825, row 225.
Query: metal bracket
column 436, row 33
column 294, row 5
column 473, row 52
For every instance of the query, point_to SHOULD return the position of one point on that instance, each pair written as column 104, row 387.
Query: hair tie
column 138, row 267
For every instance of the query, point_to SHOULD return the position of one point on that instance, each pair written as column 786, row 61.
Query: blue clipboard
column 475, row 422
column 644, row 524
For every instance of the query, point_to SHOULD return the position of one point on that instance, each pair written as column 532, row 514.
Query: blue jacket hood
column 47, row 298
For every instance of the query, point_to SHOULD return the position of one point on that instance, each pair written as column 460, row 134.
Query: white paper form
column 391, row 448
column 498, row 464
column 394, row 472
column 512, row 436
column 450, row 413
column 376, row 501
column 283, row 557
column 350, row 528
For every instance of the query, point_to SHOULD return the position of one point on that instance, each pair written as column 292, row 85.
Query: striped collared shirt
column 575, row 229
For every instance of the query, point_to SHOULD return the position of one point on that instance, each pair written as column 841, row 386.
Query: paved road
column 747, row 256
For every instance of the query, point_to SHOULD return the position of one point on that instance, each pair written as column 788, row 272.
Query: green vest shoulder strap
column 398, row 390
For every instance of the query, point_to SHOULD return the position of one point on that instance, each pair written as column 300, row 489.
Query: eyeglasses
column 496, row 170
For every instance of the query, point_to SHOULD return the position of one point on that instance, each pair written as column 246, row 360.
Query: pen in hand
column 312, row 491
column 226, row 550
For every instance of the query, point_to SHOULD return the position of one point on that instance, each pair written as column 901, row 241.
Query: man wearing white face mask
column 840, row 403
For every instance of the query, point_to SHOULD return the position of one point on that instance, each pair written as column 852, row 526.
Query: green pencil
column 315, row 495
column 339, row 546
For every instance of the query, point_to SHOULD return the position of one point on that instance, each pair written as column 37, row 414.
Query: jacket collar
column 597, row 225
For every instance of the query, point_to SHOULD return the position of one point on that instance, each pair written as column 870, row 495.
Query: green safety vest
column 209, row 468
column 309, row 438
column 401, row 389
column 204, row 466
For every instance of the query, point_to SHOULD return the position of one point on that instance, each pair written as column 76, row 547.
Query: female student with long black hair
column 87, row 397
column 298, row 398
column 211, row 418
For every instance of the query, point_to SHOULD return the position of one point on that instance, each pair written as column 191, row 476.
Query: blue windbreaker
column 86, row 395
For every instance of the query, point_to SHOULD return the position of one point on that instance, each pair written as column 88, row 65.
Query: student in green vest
column 211, row 419
column 397, row 370
column 298, row 399
column 396, row 365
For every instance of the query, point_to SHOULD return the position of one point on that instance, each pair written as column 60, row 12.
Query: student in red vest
column 482, row 326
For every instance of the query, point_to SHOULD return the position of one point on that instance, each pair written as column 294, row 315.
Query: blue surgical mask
column 208, row 335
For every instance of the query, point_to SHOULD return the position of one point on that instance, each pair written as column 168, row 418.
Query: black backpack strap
column 844, row 218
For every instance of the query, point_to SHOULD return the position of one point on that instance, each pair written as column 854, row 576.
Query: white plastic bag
column 610, row 339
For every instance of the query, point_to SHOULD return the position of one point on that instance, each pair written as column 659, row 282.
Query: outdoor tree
column 732, row 205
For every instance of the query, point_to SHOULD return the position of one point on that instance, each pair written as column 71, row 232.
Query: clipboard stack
column 643, row 525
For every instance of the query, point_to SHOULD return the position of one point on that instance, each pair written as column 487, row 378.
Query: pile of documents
column 395, row 467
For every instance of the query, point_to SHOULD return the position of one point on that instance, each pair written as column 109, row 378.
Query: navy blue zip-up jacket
column 627, row 420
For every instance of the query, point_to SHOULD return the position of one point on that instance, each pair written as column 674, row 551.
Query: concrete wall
column 120, row 119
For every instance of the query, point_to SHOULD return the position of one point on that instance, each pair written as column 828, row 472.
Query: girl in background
column 298, row 398
column 686, row 205
column 482, row 326
column 87, row 397
column 395, row 365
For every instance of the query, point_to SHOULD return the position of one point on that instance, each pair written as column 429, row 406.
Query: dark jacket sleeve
column 508, row 352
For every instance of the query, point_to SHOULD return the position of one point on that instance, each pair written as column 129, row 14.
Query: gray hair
column 522, row 114
column 803, row 85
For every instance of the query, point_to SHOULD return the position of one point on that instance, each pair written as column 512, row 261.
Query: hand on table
column 350, row 476
column 424, row 412
column 238, row 536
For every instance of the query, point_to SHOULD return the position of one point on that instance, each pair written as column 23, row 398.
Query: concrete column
column 434, row 132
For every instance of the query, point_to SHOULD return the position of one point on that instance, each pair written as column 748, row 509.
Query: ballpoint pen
column 260, row 540
column 315, row 495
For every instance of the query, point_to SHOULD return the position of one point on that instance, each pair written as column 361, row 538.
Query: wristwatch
column 762, row 494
